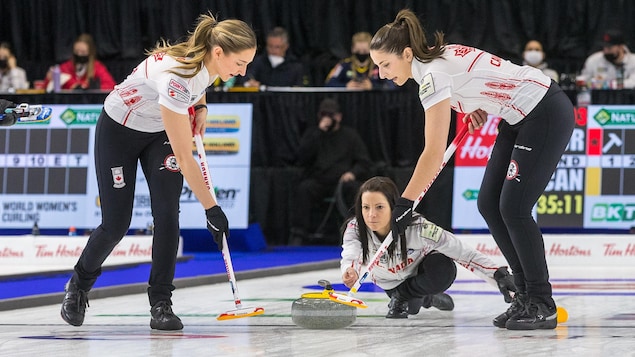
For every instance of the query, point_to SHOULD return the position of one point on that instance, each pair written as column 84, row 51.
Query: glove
column 401, row 216
column 505, row 282
column 5, row 104
column 217, row 225
column 7, row 119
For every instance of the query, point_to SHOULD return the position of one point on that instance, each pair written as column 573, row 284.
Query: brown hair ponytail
column 406, row 31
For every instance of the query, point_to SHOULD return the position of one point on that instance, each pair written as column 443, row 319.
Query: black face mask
column 361, row 56
column 4, row 63
column 611, row 57
column 80, row 59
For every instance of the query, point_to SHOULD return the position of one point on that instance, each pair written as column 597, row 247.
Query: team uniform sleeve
column 351, row 248
column 174, row 92
column 451, row 246
column 433, row 88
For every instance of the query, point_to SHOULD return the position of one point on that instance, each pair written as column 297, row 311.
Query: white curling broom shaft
column 225, row 251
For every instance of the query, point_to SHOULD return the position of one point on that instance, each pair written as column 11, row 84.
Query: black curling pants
column 522, row 162
column 117, row 151
column 435, row 274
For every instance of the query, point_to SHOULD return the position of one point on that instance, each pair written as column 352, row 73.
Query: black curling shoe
column 163, row 318
column 397, row 307
column 74, row 304
column 517, row 306
column 536, row 316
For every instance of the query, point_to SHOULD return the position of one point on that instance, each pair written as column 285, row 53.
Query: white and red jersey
column 135, row 102
column 474, row 79
column 422, row 238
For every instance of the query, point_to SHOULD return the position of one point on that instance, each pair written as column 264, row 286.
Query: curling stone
column 317, row 311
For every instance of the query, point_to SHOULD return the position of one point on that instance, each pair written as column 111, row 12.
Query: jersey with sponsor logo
column 422, row 238
column 474, row 79
column 136, row 101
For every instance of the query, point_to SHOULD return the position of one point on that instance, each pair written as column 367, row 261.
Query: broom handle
column 229, row 267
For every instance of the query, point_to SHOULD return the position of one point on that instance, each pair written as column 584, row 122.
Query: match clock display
column 593, row 185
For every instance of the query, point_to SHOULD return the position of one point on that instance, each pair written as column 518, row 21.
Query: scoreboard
column 47, row 172
column 42, row 161
column 593, row 186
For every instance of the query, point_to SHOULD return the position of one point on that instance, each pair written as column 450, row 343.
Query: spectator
column 12, row 77
column 277, row 67
column 614, row 66
column 357, row 71
column 331, row 155
column 535, row 56
column 83, row 70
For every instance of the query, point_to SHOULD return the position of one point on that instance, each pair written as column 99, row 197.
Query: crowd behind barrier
column 390, row 121
column 569, row 30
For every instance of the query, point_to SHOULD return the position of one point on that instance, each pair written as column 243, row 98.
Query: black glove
column 4, row 104
column 505, row 282
column 217, row 224
column 7, row 119
column 401, row 216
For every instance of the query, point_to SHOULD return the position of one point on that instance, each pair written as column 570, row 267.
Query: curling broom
column 240, row 311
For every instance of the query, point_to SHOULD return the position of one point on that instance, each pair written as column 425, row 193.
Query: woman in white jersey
column 418, row 266
column 537, row 123
column 145, row 119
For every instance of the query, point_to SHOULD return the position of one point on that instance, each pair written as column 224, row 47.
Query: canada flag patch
column 178, row 91
column 117, row 177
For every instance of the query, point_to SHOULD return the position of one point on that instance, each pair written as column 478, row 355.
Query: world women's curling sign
column 47, row 171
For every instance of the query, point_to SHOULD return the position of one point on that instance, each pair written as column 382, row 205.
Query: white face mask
column 533, row 58
column 275, row 60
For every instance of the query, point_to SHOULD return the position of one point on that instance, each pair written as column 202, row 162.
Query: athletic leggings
column 120, row 148
column 435, row 274
column 522, row 162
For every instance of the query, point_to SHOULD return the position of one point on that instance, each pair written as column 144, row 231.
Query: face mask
column 611, row 57
column 4, row 63
column 533, row 58
column 275, row 60
column 80, row 59
column 362, row 57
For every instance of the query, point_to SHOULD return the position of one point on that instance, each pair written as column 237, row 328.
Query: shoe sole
column 543, row 325
column 500, row 324
column 165, row 328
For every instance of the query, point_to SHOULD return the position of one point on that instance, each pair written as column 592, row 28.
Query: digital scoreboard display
column 593, row 186
column 47, row 172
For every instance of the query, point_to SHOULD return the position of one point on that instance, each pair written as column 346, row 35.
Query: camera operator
column 331, row 156
column 329, row 121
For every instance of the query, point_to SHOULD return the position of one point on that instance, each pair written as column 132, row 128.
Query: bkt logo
column 613, row 212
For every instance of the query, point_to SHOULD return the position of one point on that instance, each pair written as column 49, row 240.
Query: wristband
column 200, row 106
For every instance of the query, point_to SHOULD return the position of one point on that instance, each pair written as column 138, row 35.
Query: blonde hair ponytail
column 231, row 35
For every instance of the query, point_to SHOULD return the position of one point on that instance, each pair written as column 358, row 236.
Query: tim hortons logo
column 477, row 148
